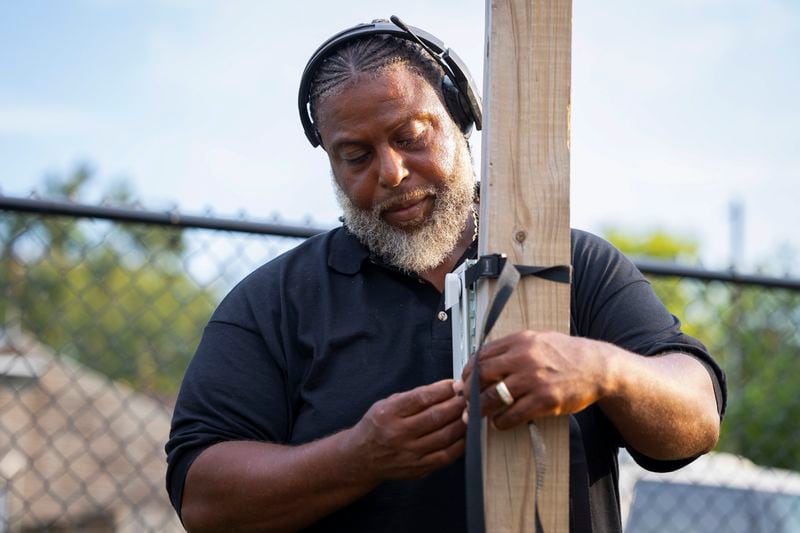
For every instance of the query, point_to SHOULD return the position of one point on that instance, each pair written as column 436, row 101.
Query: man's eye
column 415, row 138
column 355, row 159
column 412, row 141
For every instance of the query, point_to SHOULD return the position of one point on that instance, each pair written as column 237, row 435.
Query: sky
column 680, row 108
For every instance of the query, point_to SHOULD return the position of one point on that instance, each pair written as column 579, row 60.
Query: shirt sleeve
column 614, row 302
column 233, row 389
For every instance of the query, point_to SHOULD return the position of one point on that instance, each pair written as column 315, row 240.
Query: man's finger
column 496, row 347
column 492, row 402
column 495, row 369
column 523, row 410
column 444, row 457
column 434, row 417
column 441, row 438
column 416, row 400
column 492, row 371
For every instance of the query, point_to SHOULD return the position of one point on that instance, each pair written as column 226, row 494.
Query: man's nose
column 392, row 169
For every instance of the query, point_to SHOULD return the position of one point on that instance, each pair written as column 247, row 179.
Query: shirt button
column 421, row 281
column 442, row 316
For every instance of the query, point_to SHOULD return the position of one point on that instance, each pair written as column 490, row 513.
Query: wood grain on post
column 525, row 214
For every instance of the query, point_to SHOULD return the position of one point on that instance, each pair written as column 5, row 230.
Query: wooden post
column 525, row 214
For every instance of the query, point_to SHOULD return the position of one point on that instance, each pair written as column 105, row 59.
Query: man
column 320, row 395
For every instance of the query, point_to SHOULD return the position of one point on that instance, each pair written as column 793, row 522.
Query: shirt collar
column 346, row 252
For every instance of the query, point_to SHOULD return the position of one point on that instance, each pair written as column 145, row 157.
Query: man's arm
column 258, row 486
column 663, row 406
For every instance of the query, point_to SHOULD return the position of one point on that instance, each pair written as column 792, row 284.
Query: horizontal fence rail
column 102, row 307
column 657, row 268
column 140, row 216
column 175, row 219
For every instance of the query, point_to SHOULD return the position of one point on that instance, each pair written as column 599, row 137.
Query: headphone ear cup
column 457, row 106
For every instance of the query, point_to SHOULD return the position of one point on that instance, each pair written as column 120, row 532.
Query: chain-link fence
column 102, row 309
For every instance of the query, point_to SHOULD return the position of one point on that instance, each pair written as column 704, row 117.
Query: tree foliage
column 116, row 297
column 754, row 332
column 678, row 296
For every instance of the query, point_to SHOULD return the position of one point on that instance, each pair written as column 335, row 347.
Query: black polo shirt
column 303, row 346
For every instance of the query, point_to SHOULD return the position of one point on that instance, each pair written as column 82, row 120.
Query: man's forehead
column 392, row 81
column 396, row 96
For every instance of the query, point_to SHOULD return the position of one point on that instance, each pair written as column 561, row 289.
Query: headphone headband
column 467, row 106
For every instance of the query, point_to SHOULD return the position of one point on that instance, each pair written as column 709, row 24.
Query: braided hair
column 370, row 55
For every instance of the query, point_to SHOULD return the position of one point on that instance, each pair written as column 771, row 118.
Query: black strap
column 580, row 516
column 491, row 265
column 506, row 283
column 508, row 276
column 476, row 522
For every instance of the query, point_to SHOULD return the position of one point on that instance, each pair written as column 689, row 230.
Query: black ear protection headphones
column 460, row 95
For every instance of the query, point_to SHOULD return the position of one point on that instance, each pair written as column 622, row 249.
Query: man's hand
column 262, row 486
column 663, row 406
column 547, row 373
column 411, row 434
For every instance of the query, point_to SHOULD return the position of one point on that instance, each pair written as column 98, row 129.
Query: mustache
column 405, row 198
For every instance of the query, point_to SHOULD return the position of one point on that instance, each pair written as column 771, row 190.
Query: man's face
column 401, row 167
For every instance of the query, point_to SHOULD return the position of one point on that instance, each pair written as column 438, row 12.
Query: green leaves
column 116, row 297
column 754, row 333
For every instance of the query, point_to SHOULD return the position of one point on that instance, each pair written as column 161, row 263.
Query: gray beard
column 418, row 249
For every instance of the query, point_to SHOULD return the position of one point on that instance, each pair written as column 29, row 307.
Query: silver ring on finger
column 504, row 393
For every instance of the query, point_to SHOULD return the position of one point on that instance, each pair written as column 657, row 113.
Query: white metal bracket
column 461, row 301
